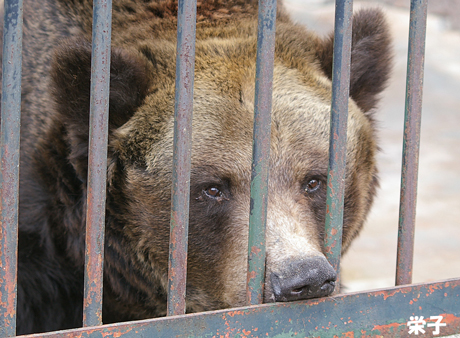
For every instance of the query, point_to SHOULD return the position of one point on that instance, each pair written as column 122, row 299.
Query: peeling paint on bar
column 351, row 315
column 183, row 109
column 9, row 165
column 97, row 162
column 411, row 142
column 261, row 151
column 338, row 136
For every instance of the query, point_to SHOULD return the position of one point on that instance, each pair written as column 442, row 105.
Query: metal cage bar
column 350, row 315
column 261, row 151
column 183, row 109
column 97, row 162
column 338, row 134
column 9, row 165
column 411, row 142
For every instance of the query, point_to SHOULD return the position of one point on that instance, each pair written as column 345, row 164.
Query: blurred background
column 371, row 261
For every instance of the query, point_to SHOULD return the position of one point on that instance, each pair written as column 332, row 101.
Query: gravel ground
column 371, row 261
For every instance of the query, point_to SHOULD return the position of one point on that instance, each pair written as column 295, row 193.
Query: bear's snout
column 302, row 279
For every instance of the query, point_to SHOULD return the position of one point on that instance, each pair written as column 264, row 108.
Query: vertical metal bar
column 338, row 135
column 97, row 162
column 411, row 142
column 183, row 109
column 261, row 151
column 9, row 165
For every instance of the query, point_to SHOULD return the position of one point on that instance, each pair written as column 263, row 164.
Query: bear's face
column 140, row 164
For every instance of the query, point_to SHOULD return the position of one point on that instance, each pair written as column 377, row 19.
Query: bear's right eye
column 213, row 192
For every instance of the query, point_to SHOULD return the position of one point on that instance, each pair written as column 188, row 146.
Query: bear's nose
column 302, row 279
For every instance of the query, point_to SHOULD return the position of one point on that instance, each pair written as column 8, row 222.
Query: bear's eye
column 213, row 192
column 312, row 185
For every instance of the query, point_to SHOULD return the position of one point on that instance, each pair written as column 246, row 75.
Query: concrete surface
column 371, row 261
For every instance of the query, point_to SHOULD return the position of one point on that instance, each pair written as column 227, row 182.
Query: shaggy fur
column 55, row 110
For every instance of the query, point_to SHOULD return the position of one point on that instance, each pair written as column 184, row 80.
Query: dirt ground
column 371, row 261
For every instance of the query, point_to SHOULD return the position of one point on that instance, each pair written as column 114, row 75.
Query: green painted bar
column 378, row 313
column 182, row 148
column 9, row 163
column 261, row 151
column 411, row 142
column 338, row 136
column 97, row 162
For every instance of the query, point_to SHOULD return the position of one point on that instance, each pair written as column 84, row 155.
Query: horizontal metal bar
column 97, row 162
column 378, row 313
column 9, row 163
column 338, row 135
column 261, row 151
column 411, row 142
column 183, row 109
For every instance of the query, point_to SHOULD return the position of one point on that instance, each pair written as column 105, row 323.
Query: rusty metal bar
column 9, row 165
column 261, row 151
column 338, row 135
column 183, row 109
column 351, row 315
column 97, row 162
column 411, row 142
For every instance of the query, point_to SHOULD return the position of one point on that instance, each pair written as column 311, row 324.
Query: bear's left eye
column 313, row 185
column 213, row 192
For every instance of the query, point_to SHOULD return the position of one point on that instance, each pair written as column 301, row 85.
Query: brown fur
column 54, row 153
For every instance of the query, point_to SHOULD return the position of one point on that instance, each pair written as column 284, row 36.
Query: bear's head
column 140, row 160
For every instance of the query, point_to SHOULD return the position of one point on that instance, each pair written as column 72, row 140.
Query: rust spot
column 387, row 329
column 449, row 318
column 255, row 250
column 391, row 293
column 234, row 313
column 328, row 249
column 11, row 294
column 251, row 275
column 433, row 288
column 333, row 232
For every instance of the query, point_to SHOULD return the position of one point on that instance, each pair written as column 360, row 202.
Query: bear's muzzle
column 302, row 279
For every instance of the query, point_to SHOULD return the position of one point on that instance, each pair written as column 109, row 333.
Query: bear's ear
column 371, row 57
column 130, row 79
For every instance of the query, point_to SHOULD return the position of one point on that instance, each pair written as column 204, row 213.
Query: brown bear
column 53, row 176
